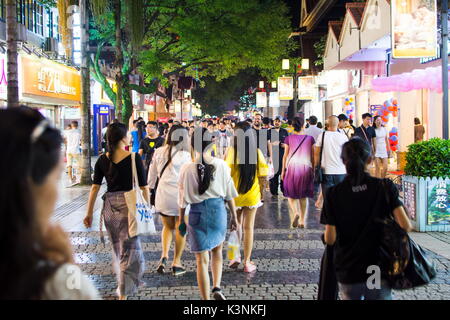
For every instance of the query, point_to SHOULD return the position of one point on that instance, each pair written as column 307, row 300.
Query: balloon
column 394, row 130
column 384, row 119
column 394, row 149
column 393, row 138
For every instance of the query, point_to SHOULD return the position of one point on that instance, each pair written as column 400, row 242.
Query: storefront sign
column 322, row 91
column 274, row 101
column 150, row 102
column 46, row 78
column 438, row 203
column 306, row 88
column 337, row 82
column 414, row 28
column 285, row 88
column 261, row 100
column 409, row 199
column 103, row 110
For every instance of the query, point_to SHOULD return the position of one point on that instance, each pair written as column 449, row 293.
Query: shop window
column 2, row 10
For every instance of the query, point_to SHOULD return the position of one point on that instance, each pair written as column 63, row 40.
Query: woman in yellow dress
column 248, row 166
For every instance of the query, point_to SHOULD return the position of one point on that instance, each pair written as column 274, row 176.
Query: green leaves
column 429, row 158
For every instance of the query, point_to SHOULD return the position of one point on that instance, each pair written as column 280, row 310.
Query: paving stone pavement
column 288, row 261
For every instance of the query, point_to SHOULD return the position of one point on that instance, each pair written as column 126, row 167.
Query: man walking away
column 72, row 140
column 313, row 130
column 277, row 136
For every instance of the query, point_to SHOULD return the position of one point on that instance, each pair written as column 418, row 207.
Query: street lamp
column 285, row 64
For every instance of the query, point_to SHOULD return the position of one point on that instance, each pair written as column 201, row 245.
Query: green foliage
column 319, row 48
column 429, row 158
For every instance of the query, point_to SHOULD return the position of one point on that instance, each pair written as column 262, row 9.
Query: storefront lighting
column 274, row 84
column 285, row 64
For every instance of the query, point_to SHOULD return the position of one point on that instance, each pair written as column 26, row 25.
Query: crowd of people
column 194, row 174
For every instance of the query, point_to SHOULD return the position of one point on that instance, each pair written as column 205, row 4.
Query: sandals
column 178, row 271
column 249, row 267
column 295, row 222
column 234, row 264
column 162, row 266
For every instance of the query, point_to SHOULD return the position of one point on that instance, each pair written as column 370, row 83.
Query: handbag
column 153, row 191
column 140, row 215
column 319, row 172
column 404, row 261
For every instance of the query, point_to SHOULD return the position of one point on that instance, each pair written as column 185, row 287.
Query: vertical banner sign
column 438, row 203
column 274, row 101
column 414, row 28
column 261, row 100
column 286, row 88
column 409, row 199
column 306, row 88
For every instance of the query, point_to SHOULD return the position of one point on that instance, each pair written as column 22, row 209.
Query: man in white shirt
column 72, row 140
column 333, row 168
column 312, row 130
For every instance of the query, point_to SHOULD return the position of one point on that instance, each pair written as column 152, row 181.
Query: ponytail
column 205, row 171
column 355, row 154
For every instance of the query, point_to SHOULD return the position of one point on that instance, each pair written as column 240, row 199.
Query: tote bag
column 140, row 214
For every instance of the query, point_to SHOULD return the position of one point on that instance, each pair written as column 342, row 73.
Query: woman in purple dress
column 298, row 174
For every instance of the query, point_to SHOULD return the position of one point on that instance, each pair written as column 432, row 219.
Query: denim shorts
column 207, row 225
column 360, row 291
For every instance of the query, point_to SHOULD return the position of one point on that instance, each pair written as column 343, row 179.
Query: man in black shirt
column 277, row 136
column 366, row 131
column 150, row 143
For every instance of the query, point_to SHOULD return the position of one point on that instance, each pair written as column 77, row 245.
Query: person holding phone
column 206, row 185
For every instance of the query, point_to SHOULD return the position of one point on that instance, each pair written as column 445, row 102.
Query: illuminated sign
column 285, row 88
column 261, row 100
column 103, row 110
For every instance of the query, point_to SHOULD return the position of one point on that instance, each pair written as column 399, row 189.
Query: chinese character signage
column 261, row 100
column 414, row 28
column 438, row 203
column 285, row 88
column 409, row 199
column 50, row 79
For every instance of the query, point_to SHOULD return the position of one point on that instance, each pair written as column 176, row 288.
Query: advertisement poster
column 409, row 199
column 438, row 203
column 306, row 88
column 274, row 101
column 286, row 88
column 414, row 28
column 261, row 100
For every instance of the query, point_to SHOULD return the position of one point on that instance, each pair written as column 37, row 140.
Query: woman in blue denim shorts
column 206, row 185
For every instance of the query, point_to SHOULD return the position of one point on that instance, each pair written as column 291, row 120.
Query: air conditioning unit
column 51, row 45
column 21, row 33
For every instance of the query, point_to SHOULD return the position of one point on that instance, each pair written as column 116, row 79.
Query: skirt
column 298, row 182
column 128, row 257
column 207, row 225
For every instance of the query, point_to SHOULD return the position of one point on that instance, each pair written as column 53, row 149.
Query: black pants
column 276, row 182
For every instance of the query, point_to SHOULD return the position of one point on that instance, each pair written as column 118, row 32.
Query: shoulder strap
column 298, row 147
column 321, row 150
column 167, row 164
column 364, row 131
column 134, row 171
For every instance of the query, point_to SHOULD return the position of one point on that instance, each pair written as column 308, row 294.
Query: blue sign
column 103, row 110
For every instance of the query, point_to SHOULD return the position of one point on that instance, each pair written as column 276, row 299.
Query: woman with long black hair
column 248, row 166
column 37, row 260
column 349, row 213
column 116, row 167
column 165, row 168
column 137, row 134
column 205, row 185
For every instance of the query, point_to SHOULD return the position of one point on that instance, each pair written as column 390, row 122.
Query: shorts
column 71, row 157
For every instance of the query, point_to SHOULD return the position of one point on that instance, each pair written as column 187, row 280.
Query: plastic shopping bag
column 271, row 171
column 234, row 252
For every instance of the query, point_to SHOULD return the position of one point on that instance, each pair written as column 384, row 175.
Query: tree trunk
column 119, row 58
column 85, row 166
column 11, row 36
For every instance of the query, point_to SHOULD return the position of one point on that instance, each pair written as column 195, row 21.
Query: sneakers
column 162, row 266
column 217, row 294
column 178, row 271
column 249, row 267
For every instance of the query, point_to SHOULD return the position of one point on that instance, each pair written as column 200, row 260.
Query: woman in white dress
column 382, row 151
column 166, row 164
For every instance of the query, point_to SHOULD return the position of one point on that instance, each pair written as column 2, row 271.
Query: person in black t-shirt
column 151, row 142
column 277, row 136
column 366, row 131
column 116, row 167
column 349, row 212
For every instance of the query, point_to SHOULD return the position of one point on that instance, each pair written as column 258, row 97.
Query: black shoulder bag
column 318, row 173
column 153, row 191
column 404, row 260
column 298, row 147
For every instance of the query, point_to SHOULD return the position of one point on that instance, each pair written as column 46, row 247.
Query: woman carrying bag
column 206, row 185
column 351, row 210
column 116, row 167
column 163, row 176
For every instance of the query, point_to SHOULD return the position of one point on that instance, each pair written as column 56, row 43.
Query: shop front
column 50, row 87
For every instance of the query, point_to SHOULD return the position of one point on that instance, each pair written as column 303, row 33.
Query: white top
column 221, row 185
column 73, row 138
column 165, row 200
column 70, row 283
column 380, row 143
column 331, row 157
column 313, row 131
